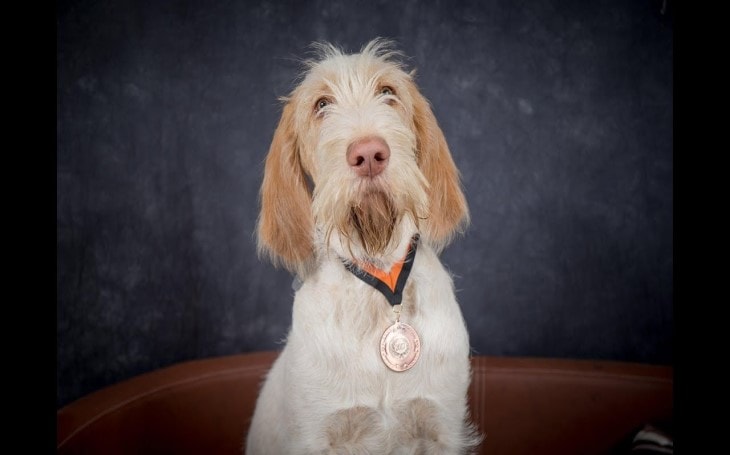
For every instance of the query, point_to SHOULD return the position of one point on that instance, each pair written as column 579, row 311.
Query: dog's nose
column 368, row 157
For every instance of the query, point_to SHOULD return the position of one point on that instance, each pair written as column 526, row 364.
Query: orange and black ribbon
column 392, row 283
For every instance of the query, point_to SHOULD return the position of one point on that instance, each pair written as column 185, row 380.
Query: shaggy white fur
column 358, row 128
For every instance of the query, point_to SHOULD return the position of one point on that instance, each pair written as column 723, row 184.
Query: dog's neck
column 351, row 251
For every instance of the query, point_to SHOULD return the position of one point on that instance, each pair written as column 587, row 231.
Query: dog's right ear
column 285, row 224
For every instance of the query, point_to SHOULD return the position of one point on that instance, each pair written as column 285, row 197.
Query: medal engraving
column 400, row 347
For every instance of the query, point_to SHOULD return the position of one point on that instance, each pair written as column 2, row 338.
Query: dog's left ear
column 448, row 211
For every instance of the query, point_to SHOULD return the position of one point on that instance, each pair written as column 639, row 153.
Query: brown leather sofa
column 522, row 405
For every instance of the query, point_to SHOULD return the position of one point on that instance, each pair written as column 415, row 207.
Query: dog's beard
column 367, row 221
column 373, row 220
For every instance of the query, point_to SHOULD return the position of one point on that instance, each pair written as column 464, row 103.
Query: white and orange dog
column 359, row 195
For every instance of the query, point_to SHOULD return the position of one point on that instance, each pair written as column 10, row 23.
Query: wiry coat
column 329, row 391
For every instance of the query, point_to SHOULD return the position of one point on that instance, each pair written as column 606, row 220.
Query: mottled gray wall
column 558, row 113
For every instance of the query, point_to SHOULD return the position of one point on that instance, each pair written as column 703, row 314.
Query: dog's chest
column 341, row 319
column 342, row 304
column 334, row 347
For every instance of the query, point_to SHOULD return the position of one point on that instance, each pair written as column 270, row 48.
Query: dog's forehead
column 354, row 71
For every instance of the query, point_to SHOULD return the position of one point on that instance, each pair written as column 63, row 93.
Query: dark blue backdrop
column 558, row 113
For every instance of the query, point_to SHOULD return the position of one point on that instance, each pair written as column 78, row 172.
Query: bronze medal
column 400, row 347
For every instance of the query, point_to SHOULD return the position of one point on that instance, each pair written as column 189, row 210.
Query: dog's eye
column 387, row 91
column 321, row 104
column 389, row 95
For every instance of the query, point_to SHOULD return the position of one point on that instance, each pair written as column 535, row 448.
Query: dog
column 359, row 195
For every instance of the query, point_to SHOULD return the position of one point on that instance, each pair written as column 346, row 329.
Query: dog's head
column 361, row 133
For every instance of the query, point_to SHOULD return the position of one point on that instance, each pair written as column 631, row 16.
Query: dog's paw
column 422, row 430
column 354, row 431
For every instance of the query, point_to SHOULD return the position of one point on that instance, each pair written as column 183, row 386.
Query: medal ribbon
column 390, row 284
